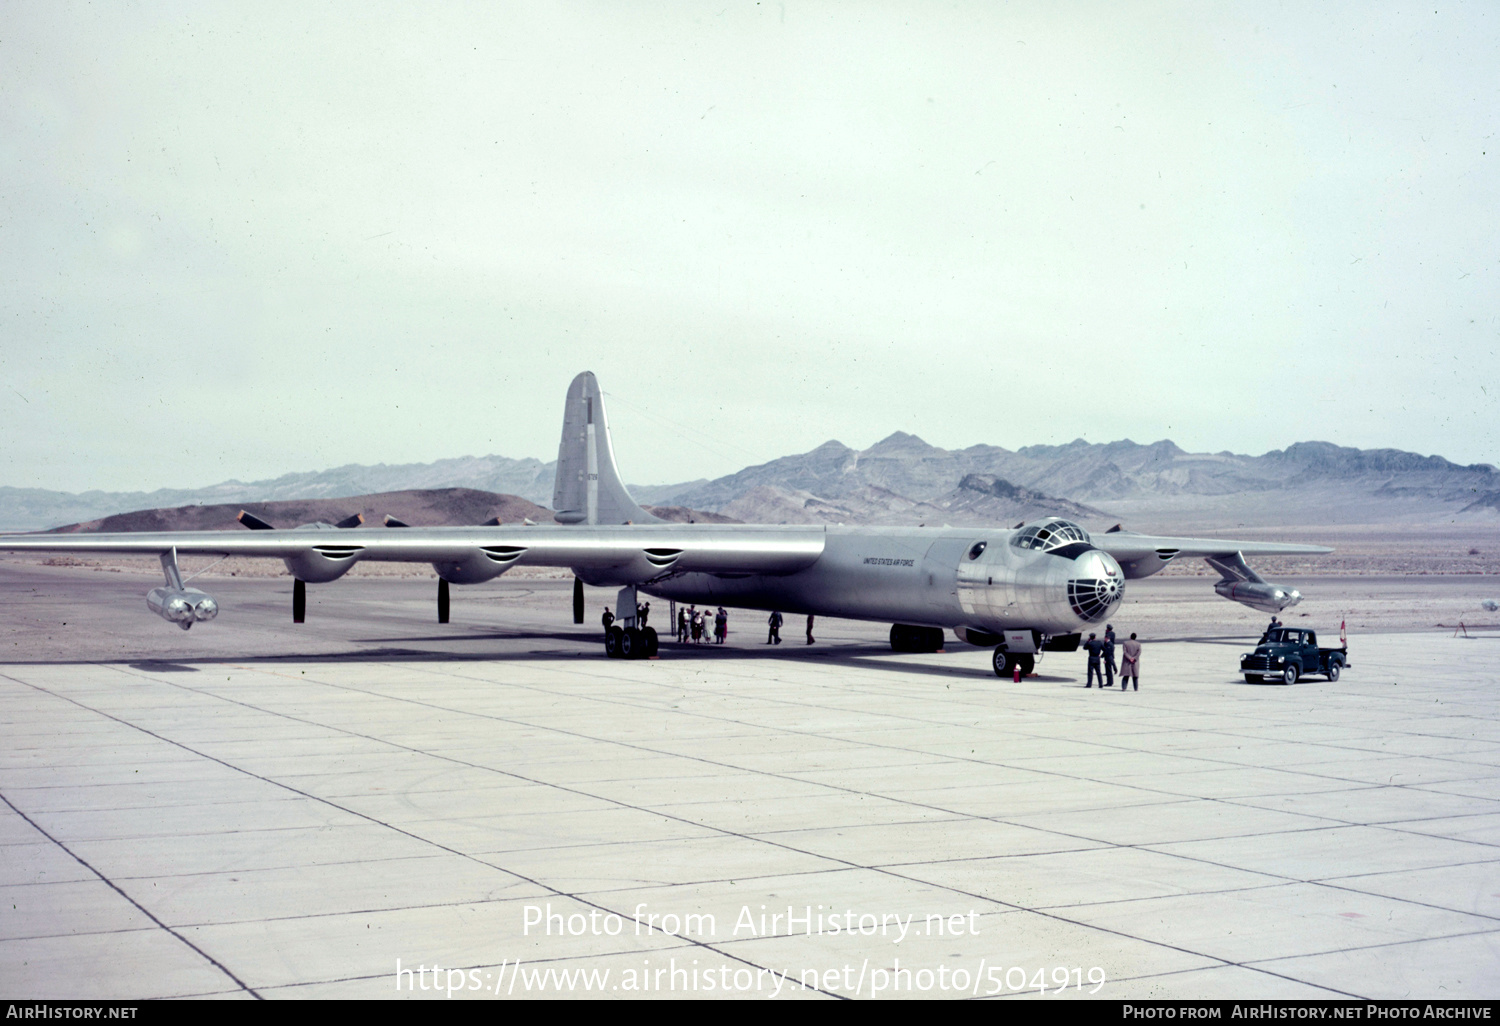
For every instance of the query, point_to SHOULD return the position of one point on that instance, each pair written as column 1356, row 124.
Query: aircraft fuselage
column 943, row 577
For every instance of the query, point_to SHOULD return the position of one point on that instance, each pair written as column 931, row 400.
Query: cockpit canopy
column 1051, row 533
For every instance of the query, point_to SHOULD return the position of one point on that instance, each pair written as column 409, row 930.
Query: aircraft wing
column 1141, row 555
column 1145, row 551
column 326, row 554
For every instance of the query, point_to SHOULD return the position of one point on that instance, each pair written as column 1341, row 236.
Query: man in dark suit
column 1095, row 648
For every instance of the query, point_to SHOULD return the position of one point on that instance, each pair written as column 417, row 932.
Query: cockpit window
column 1049, row 534
column 977, row 549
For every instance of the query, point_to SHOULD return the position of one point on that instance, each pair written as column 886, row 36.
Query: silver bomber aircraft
column 1023, row 591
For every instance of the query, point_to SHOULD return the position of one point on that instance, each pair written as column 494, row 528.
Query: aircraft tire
column 630, row 644
column 1027, row 664
column 649, row 642
column 1002, row 662
column 905, row 638
column 1289, row 675
column 612, row 641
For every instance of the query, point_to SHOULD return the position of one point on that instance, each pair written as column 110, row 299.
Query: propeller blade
column 253, row 522
column 353, row 521
column 391, row 521
column 442, row 600
column 299, row 601
column 577, row 601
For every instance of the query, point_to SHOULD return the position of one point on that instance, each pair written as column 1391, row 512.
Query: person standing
column 721, row 626
column 1095, row 648
column 642, row 614
column 1130, row 665
column 697, row 627
column 682, row 624
column 1109, row 656
column 774, row 638
column 608, row 618
column 809, row 628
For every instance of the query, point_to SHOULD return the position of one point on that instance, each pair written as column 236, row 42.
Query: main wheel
column 614, row 638
column 630, row 644
column 1026, row 663
column 1002, row 662
column 1289, row 675
column 901, row 638
column 1333, row 670
column 649, row 642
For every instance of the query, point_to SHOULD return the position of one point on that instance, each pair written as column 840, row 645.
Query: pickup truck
column 1286, row 653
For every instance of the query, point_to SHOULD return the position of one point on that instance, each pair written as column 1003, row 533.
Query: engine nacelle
column 182, row 606
column 1262, row 595
column 483, row 565
column 323, row 563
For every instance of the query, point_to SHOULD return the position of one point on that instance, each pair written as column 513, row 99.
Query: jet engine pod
column 1261, row 595
column 184, row 607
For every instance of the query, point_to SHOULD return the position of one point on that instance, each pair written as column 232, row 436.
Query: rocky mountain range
column 903, row 479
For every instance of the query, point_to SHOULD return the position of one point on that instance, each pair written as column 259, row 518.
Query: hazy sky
column 238, row 240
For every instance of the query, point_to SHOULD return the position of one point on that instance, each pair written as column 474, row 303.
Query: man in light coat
column 1130, row 664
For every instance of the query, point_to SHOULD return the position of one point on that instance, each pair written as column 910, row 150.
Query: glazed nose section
column 1095, row 586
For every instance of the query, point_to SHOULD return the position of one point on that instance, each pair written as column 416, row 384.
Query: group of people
column 694, row 623
column 1102, row 658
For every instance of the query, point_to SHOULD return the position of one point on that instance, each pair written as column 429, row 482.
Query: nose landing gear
column 1006, row 663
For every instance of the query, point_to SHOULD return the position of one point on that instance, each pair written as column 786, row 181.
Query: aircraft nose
column 1095, row 586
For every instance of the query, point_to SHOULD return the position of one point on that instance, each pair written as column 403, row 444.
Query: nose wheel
column 1006, row 664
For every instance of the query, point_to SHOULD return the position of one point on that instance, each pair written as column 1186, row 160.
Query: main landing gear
column 630, row 643
column 906, row 638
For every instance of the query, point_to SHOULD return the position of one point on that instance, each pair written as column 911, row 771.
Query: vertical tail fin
column 589, row 489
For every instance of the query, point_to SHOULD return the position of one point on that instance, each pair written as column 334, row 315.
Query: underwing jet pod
column 177, row 603
column 1022, row 591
